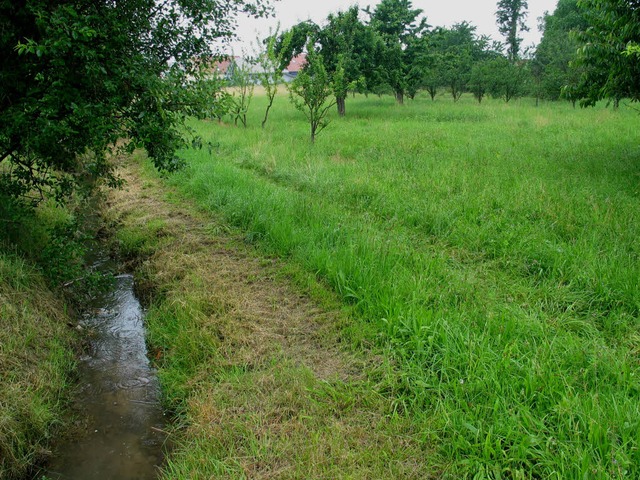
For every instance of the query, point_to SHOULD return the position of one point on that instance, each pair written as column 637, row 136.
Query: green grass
column 493, row 251
column 251, row 368
column 35, row 363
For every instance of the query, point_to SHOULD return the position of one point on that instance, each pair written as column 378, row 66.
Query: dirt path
column 257, row 368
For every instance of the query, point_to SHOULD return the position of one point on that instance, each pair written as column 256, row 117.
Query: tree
column 311, row 90
column 480, row 79
column 552, row 63
column 270, row 73
column 510, row 16
column 507, row 79
column 609, row 55
column 453, row 52
column 79, row 75
column 431, row 79
column 347, row 46
column 396, row 23
column 243, row 82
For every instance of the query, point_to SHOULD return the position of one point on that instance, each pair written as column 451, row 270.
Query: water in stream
column 122, row 431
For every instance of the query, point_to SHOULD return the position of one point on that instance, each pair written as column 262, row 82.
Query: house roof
column 297, row 63
column 222, row 66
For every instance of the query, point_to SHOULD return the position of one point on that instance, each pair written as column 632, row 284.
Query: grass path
column 260, row 375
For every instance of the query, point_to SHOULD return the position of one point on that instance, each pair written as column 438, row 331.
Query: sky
column 442, row 13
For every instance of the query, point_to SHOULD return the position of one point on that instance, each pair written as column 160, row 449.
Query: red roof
column 297, row 63
column 223, row 65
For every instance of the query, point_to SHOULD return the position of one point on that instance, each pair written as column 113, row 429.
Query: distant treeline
column 392, row 49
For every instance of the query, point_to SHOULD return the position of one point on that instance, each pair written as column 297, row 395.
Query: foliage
column 294, row 41
column 269, row 73
column 401, row 39
column 511, row 16
column 611, row 68
column 347, row 47
column 507, row 80
column 552, row 63
column 243, row 83
column 79, row 75
column 311, row 90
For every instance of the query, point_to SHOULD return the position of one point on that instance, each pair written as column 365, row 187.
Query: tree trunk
column 340, row 102
column 266, row 113
column 400, row 98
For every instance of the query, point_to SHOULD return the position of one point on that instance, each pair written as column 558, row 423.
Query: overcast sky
column 480, row 13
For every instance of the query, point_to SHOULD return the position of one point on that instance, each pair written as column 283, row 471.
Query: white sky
column 480, row 13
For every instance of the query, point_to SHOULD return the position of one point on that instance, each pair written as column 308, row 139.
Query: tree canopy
column 610, row 55
column 79, row 75
column 402, row 32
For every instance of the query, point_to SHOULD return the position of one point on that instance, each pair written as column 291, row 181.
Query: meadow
column 488, row 252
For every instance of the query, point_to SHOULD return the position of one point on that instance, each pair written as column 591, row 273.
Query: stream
column 121, row 421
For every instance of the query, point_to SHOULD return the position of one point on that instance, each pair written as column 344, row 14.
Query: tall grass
column 35, row 361
column 492, row 248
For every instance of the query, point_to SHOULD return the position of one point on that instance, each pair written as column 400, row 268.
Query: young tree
column 243, row 81
column 510, row 16
column 482, row 75
column 310, row 92
column 269, row 72
column 431, row 81
column 507, row 79
column 480, row 80
column 78, row 75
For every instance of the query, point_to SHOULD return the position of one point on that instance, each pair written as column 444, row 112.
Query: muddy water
column 121, row 419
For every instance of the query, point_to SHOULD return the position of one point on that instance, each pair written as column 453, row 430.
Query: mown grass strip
column 257, row 372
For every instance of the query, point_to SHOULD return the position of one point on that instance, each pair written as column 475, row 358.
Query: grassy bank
column 492, row 250
column 42, row 283
column 35, row 363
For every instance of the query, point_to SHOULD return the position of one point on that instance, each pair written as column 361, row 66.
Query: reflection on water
column 119, row 397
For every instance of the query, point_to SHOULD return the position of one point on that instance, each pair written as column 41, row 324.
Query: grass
column 489, row 251
column 254, row 369
column 35, row 363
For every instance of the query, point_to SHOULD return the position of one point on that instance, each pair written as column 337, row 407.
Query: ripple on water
column 119, row 398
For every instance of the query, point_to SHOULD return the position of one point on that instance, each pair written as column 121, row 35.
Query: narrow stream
column 122, row 422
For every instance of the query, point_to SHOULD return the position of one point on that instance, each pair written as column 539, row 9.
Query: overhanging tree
column 79, row 75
